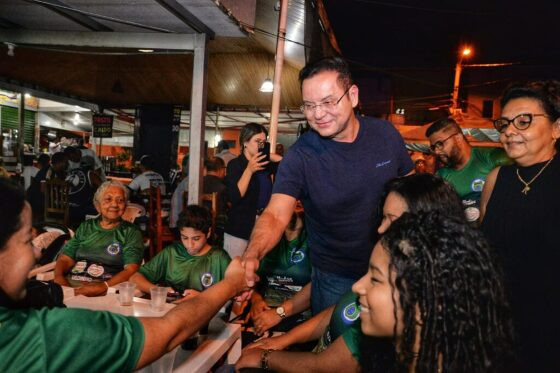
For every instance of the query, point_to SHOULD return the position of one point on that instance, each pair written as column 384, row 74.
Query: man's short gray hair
column 103, row 188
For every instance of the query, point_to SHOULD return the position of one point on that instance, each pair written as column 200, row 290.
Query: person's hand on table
column 272, row 343
column 266, row 320
column 188, row 294
column 91, row 289
column 249, row 359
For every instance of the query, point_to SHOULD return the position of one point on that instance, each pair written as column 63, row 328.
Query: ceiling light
column 267, row 86
column 145, row 50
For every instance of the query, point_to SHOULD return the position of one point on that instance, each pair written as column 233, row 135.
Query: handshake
column 241, row 275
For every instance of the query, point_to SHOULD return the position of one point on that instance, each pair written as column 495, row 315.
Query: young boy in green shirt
column 190, row 265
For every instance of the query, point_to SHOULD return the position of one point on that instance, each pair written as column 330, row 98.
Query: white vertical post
column 21, row 128
column 198, row 117
column 278, row 75
column 456, row 81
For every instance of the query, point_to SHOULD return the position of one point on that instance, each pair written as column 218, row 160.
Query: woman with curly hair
column 520, row 208
column 434, row 289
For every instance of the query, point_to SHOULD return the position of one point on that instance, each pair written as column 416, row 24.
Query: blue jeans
column 327, row 289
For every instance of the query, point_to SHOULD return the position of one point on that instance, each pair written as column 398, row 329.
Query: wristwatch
column 281, row 312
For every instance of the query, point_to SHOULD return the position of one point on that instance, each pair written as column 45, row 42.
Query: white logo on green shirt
column 114, row 248
column 350, row 313
column 207, row 279
column 477, row 185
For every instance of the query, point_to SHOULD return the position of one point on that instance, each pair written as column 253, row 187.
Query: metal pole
column 198, row 116
column 37, row 136
column 458, row 69
column 278, row 75
column 216, row 128
column 21, row 128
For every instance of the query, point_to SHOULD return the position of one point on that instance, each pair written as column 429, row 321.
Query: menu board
column 102, row 125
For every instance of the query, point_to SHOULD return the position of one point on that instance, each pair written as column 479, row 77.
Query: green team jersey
column 175, row 267
column 345, row 322
column 285, row 270
column 61, row 340
column 101, row 253
column 469, row 181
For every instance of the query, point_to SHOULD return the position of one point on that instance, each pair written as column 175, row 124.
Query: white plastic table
column 223, row 338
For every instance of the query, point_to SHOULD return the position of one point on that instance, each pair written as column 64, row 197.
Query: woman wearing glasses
column 521, row 216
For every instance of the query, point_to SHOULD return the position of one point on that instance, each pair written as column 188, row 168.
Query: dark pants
column 327, row 289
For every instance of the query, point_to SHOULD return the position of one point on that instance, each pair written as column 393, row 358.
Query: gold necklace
column 527, row 188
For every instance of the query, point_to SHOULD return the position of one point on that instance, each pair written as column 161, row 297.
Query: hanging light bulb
column 267, row 86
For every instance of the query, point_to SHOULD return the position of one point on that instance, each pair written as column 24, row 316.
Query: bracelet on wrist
column 264, row 359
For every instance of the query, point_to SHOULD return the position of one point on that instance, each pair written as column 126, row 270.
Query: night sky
column 408, row 49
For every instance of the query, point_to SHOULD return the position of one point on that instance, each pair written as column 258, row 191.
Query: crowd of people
column 342, row 253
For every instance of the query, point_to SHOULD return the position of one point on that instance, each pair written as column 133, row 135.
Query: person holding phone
column 249, row 186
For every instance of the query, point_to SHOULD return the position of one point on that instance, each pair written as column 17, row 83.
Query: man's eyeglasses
column 521, row 121
column 439, row 144
column 328, row 105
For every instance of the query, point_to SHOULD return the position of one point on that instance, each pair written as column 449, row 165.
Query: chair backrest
column 133, row 211
column 56, row 201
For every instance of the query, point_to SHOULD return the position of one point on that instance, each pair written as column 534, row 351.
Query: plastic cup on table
column 158, row 296
column 126, row 293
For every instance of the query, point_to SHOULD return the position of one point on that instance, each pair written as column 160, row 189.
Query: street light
column 465, row 53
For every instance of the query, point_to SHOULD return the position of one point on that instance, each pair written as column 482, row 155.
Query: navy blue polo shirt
column 340, row 185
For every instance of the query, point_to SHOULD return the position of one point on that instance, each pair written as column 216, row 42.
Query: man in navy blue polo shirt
column 338, row 170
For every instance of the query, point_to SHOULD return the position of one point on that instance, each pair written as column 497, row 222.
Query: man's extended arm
column 267, row 232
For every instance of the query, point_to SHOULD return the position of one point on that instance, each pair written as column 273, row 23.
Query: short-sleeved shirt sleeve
column 352, row 338
column 291, row 172
column 61, row 339
column 136, row 183
column 155, row 269
column 74, row 243
column 133, row 250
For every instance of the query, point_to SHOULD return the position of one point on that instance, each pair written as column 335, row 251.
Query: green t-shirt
column 101, row 253
column 285, row 270
column 345, row 322
column 175, row 267
column 61, row 340
column 469, row 181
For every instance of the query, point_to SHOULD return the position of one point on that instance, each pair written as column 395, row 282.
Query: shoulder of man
column 377, row 125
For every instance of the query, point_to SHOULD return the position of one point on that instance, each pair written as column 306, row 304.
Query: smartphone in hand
column 264, row 148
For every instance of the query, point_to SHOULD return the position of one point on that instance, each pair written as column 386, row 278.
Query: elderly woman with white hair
column 105, row 251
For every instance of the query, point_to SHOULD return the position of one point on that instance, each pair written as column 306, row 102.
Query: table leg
column 234, row 352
